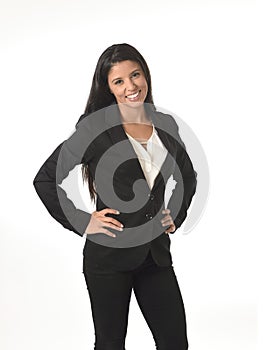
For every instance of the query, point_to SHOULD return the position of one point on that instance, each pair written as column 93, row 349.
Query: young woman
column 128, row 150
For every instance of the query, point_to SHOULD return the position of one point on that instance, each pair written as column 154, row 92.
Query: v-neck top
column 151, row 158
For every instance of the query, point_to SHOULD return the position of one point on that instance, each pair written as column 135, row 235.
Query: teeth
column 133, row 96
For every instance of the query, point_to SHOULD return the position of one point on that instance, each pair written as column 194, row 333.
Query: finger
column 112, row 220
column 166, row 211
column 108, row 224
column 109, row 210
column 167, row 221
column 167, row 217
column 172, row 228
column 169, row 230
column 108, row 233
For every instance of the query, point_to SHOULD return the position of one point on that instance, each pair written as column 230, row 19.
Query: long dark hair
column 100, row 95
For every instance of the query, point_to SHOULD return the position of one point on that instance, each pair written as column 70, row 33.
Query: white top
column 152, row 157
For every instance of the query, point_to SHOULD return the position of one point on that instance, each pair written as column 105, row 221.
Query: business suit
column 126, row 251
column 138, row 258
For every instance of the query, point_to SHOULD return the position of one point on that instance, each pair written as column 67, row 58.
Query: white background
column 207, row 64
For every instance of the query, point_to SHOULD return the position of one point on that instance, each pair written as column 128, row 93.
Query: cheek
column 145, row 84
column 119, row 94
column 145, row 87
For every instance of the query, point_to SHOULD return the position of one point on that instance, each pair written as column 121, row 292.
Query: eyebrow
column 130, row 74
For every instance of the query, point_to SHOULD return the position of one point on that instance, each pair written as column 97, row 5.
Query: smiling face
column 127, row 82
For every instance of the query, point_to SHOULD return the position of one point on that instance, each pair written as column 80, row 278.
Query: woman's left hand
column 168, row 221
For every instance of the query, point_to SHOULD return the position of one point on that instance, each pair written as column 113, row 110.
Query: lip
column 134, row 98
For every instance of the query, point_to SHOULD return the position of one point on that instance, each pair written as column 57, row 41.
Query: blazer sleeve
column 62, row 160
column 186, row 182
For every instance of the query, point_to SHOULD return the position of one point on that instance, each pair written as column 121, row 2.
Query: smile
column 133, row 96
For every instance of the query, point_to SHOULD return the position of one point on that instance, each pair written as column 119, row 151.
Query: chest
column 138, row 131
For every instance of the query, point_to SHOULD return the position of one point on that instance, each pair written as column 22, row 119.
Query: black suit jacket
column 100, row 141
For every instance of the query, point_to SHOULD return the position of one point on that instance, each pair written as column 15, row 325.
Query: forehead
column 123, row 68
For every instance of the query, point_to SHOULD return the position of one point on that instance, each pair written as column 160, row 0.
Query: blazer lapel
column 117, row 134
column 168, row 165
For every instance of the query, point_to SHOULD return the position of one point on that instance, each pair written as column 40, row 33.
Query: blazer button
column 151, row 196
column 149, row 216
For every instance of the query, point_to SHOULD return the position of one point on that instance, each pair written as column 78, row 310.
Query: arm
column 47, row 180
column 186, row 178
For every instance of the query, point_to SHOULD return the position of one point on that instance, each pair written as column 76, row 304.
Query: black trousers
column 158, row 296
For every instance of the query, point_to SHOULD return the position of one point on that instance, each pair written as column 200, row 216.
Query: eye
column 118, row 81
column 136, row 74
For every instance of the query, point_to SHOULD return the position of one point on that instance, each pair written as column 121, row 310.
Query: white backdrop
column 204, row 57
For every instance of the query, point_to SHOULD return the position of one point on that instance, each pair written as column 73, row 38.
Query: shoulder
column 166, row 118
column 89, row 120
column 167, row 122
column 170, row 126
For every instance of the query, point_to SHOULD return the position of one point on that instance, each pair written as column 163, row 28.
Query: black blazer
column 120, row 184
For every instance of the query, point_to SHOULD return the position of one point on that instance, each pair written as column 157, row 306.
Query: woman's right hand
column 98, row 220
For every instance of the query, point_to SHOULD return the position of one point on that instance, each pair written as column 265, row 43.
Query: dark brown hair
column 100, row 95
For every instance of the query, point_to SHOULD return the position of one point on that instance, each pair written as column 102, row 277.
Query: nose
column 130, row 85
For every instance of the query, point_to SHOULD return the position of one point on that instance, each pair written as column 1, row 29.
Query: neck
column 133, row 114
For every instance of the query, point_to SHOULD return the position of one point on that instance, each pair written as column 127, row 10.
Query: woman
column 126, row 249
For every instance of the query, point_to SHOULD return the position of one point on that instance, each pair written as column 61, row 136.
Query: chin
column 129, row 104
column 134, row 104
